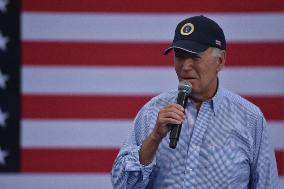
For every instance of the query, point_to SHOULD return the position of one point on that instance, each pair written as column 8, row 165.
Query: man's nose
column 187, row 64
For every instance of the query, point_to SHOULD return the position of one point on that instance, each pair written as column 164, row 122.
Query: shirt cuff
column 133, row 163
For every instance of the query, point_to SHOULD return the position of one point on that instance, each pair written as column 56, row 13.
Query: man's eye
column 181, row 57
column 196, row 58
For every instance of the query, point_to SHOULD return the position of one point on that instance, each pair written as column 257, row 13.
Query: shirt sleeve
column 264, row 173
column 127, row 171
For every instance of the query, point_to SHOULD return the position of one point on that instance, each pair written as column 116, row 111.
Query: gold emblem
column 187, row 29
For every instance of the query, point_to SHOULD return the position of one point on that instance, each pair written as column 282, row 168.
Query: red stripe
column 83, row 160
column 115, row 106
column 82, row 106
column 140, row 54
column 118, row 54
column 272, row 107
column 67, row 160
column 167, row 6
column 280, row 162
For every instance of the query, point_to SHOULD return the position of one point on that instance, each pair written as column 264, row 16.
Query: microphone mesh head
column 185, row 86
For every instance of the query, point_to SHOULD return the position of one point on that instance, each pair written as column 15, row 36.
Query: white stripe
column 255, row 81
column 97, row 133
column 97, row 80
column 74, row 133
column 276, row 133
column 141, row 80
column 55, row 181
column 144, row 27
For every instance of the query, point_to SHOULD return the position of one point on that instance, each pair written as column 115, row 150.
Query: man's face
column 200, row 70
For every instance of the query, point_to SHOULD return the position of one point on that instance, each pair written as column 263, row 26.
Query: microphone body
column 184, row 90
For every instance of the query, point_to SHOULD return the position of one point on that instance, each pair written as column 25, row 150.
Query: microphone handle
column 176, row 128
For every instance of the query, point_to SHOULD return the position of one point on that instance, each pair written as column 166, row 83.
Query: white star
column 3, row 4
column 3, row 117
column 3, row 155
column 3, row 41
column 3, row 80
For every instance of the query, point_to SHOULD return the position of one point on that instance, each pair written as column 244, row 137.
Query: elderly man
column 223, row 141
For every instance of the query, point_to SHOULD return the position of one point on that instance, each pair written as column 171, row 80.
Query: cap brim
column 186, row 45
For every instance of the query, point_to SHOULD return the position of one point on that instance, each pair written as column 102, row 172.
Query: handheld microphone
column 184, row 89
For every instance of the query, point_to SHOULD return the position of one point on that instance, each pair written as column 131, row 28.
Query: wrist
column 148, row 149
column 155, row 137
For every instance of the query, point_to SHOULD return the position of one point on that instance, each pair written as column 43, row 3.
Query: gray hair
column 216, row 52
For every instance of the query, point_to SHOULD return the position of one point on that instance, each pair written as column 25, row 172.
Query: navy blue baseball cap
column 196, row 34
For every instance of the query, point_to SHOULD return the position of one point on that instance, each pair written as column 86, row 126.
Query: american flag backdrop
column 74, row 73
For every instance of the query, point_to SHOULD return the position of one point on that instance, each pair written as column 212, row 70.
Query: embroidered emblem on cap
column 187, row 29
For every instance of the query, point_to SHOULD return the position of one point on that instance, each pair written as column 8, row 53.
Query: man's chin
column 195, row 95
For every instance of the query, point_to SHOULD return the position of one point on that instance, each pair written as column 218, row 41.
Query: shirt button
column 211, row 146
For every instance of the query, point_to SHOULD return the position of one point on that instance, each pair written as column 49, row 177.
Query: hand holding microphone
column 167, row 116
column 172, row 116
column 184, row 89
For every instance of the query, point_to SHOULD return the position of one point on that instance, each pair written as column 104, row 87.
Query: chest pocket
column 223, row 159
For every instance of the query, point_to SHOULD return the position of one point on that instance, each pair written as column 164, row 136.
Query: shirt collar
column 217, row 98
column 215, row 101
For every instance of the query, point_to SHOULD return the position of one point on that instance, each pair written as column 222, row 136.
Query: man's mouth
column 188, row 78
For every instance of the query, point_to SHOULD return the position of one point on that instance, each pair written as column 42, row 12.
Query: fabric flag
column 73, row 75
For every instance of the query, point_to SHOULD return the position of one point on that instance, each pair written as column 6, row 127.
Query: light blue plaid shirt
column 225, row 145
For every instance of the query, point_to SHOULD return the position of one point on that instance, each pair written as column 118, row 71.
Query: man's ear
column 221, row 60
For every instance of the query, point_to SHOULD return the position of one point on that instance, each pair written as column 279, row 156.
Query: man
column 223, row 141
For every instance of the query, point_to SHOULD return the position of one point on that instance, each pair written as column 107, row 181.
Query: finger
column 177, row 106
column 175, row 110
column 174, row 115
column 166, row 121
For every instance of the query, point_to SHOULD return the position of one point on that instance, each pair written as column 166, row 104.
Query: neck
column 198, row 99
column 197, row 104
